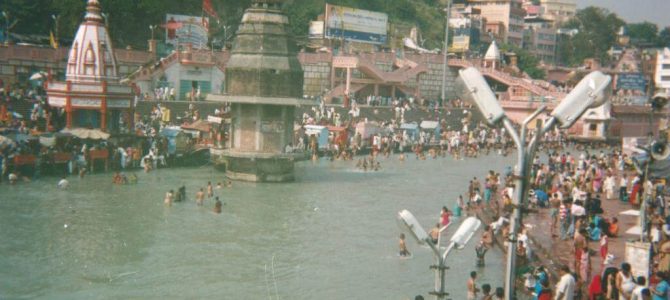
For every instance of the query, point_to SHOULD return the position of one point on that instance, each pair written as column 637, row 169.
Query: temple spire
column 93, row 12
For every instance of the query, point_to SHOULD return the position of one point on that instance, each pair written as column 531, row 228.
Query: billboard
column 181, row 29
column 357, row 25
column 316, row 30
column 631, row 81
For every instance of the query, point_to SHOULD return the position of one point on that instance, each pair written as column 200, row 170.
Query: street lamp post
column 56, row 19
column 5, row 15
column 458, row 241
column 445, row 59
column 589, row 93
column 152, row 28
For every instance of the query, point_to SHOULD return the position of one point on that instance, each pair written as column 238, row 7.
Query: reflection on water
column 330, row 235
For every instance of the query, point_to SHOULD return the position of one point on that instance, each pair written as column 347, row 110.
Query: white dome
column 92, row 56
column 493, row 53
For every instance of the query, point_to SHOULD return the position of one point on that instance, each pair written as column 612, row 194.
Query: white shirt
column 637, row 293
column 577, row 210
column 566, row 287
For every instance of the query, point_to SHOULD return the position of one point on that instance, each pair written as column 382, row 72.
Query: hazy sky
column 633, row 11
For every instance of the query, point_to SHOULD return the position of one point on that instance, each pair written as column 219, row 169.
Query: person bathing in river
column 435, row 233
column 200, row 197
column 444, row 216
column 403, row 246
column 217, row 206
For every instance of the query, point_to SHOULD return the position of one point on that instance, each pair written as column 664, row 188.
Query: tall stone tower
column 264, row 81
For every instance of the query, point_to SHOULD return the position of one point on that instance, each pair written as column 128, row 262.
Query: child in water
column 403, row 246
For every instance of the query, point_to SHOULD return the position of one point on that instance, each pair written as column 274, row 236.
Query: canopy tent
column 177, row 139
column 412, row 129
column 658, row 169
column 431, row 126
column 85, row 133
column 366, row 130
column 409, row 126
column 320, row 133
column 5, row 141
column 49, row 140
column 198, row 125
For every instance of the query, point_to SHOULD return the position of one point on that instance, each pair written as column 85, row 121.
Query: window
column 666, row 66
column 665, row 78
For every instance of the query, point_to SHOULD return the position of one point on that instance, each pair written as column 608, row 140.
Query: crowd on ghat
column 571, row 183
column 33, row 145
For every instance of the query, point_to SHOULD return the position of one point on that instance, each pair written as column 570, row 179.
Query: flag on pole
column 52, row 40
column 209, row 9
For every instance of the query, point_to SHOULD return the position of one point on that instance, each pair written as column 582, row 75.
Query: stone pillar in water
column 264, row 84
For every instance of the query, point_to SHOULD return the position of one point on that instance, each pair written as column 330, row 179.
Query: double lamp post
column 591, row 92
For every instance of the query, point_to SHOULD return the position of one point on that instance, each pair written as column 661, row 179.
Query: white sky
column 634, row 11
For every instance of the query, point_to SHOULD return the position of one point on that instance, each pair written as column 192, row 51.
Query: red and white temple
column 92, row 95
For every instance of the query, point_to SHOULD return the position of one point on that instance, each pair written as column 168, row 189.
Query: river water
column 330, row 235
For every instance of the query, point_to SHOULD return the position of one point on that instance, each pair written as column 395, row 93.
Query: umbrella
column 5, row 141
column 37, row 76
column 84, row 133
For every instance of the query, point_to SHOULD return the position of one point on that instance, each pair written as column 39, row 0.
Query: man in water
column 168, row 198
column 210, row 190
column 472, row 286
column 132, row 179
column 217, row 206
column 480, row 251
column 200, row 197
column 435, row 233
column 403, row 247
column 63, row 183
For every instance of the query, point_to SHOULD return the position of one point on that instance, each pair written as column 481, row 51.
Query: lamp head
column 658, row 101
column 410, row 222
column 465, row 232
column 475, row 89
column 590, row 92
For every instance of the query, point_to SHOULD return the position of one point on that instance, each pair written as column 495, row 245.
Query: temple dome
column 493, row 53
column 91, row 57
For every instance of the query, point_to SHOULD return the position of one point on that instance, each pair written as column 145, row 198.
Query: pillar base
column 258, row 167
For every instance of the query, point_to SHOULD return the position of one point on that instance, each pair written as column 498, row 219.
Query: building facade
column 540, row 38
column 662, row 74
column 504, row 19
column 559, row 11
column 186, row 75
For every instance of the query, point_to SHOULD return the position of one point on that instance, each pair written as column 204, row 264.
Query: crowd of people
column 572, row 188
column 204, row 193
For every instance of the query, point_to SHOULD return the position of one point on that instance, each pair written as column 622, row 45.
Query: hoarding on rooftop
column 357, row 25
column 183, row 29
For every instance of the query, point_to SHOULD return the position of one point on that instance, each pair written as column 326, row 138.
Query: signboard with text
column 353, row 24
column 631, row 81
column 183, row 29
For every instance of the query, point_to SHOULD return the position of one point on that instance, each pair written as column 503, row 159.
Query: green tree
column 527, row 62
column 664, row 38
column 597, row 34
column 644, row 33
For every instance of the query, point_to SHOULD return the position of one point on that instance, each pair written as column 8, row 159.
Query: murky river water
column 330, row 235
